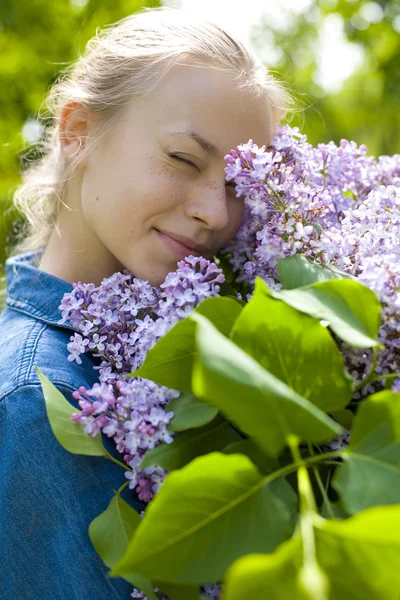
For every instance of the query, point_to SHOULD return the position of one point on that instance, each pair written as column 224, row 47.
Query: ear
column 74, row 130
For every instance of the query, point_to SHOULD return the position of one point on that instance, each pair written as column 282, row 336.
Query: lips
column 181, row 246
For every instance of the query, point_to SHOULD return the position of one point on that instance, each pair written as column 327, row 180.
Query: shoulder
column 28, row 342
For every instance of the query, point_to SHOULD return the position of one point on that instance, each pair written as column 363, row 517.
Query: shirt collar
column 33, row 291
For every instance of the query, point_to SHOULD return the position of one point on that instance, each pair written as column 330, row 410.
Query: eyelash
column 185, row 160
column 192, row 164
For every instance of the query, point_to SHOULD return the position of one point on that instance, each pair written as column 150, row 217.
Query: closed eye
column 185, row 160
column 230, row 184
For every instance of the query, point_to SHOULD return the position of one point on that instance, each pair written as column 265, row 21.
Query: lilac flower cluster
column 334, row 204
column 293, row 194
column 119, row 322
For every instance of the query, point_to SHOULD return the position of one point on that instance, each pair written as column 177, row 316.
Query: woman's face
column 153, row 189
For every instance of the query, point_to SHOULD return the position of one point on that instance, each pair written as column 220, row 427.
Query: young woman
column 132, row 176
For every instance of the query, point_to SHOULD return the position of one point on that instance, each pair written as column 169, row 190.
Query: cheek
column 237, row 214
column 169, row 186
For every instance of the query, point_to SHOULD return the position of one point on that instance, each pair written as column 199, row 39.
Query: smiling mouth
column 177, row 248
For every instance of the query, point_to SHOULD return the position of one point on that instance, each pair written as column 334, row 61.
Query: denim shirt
column 48, row 496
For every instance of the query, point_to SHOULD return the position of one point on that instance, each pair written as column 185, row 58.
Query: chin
column 157, row 276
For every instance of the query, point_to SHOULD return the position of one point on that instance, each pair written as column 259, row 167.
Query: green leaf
column 190, row 444
column 344, row 417
column 263, row 462
column 294, row 347
column 351, row 309
column 298, row 271
column 180, row 592
column 360, row 557
column 205, row 516
column 370, row 474
column 222, row 312
column 170, row 361
column 189, row 412
column 263, row 407
column 334, row 511
column 70, row 435
column 110, row 533
column 259, row 576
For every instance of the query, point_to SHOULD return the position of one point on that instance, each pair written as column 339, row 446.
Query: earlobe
column 73, row 130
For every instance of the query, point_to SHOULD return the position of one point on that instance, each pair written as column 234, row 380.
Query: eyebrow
column 205, row 144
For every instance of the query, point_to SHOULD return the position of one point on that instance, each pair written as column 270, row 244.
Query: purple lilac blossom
column 396, row 385
column 334, row 204
column 119, row 322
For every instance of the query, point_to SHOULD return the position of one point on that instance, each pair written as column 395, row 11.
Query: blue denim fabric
column 48, row 497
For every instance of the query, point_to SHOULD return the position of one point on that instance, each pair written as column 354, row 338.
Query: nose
column 208, row 203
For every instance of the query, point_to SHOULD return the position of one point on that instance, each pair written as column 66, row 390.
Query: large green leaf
column 170, row 361
column 351, row 309
column 69, row 434
column 263, row 462
column 370, row 474
column 263, row 407
column 266, row 576
column 298, row 271
column 205, row 516
column 189, row 412
column 110, row 533
column 360, row 557
column 190, row 444
column 294, row 347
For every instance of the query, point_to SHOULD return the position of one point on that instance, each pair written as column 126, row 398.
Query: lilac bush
column 334, row 204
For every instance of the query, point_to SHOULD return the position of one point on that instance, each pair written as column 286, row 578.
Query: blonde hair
column 123, row 62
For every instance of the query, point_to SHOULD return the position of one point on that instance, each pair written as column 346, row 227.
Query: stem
column 388, row 376
column 311, row 578
column 282, row 472
column 307, row 500
column 312, row 460
column 117, row 462
column 275, row 195
column 371, row 372
column 123, row 486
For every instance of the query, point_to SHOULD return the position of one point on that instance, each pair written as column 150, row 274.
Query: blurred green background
column 38, row 38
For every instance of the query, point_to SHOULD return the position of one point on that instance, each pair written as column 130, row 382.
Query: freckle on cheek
column 211, row 184
column 166, row 173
